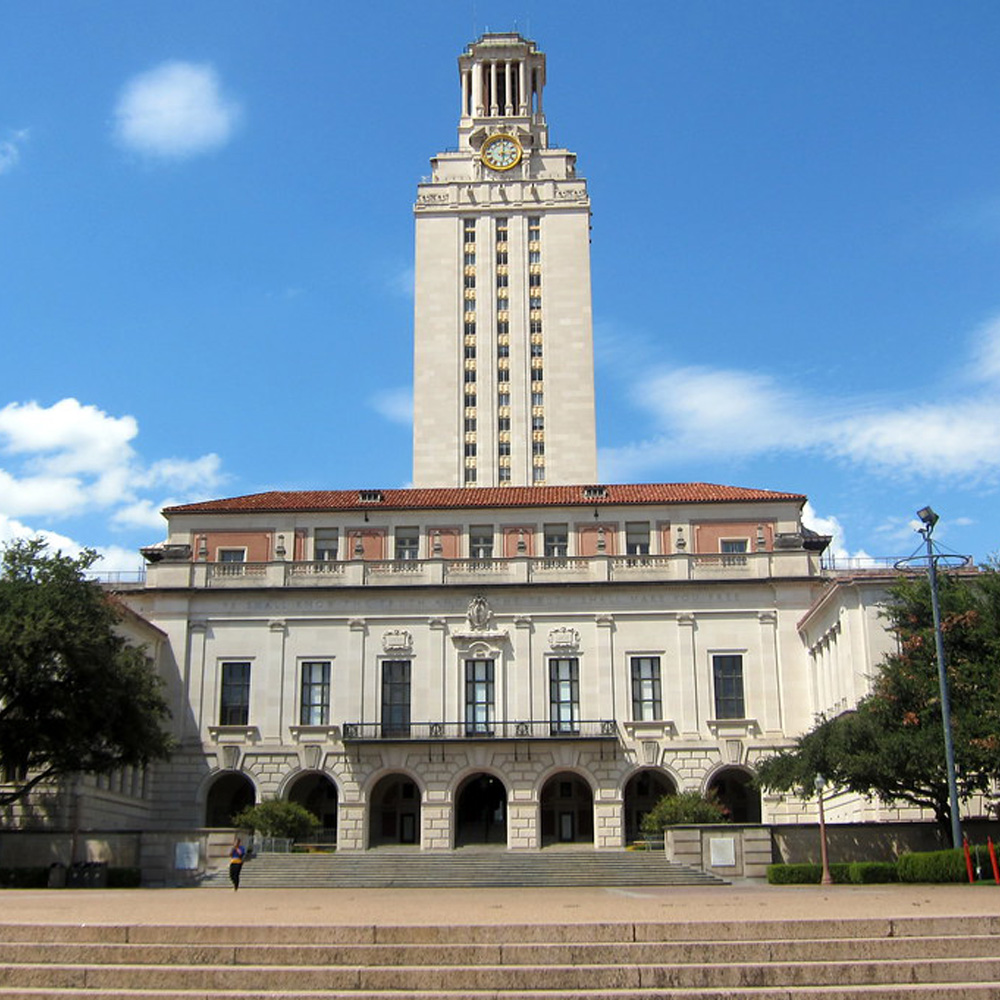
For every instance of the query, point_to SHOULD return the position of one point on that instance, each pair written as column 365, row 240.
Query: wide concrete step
column 926, row 958
column 464, row 869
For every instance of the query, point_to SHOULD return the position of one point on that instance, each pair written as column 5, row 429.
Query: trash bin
column 57, row 875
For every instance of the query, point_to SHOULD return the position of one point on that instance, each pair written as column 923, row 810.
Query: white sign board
column 723, row 852
column 186, row 855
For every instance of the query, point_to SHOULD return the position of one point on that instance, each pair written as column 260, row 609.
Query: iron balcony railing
column 600, row 729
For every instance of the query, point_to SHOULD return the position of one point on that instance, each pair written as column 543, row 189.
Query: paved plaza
column 741, row 901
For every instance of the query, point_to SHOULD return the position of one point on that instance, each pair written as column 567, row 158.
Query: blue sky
column 206, row 250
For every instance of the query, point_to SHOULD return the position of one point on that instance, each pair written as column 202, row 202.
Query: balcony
column 443, row 732
column 518, row 570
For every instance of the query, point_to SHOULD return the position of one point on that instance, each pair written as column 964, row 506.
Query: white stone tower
column 503, row 361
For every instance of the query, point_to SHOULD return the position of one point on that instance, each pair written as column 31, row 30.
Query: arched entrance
column 642, row 792
column 567, row 807
column 481, row 811
column 317, row 793
column 735, row 789
column 394, row 811
column 230, row 793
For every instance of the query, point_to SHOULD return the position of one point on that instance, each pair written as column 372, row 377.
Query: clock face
column 501, row 152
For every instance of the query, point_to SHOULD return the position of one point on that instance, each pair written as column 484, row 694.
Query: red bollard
column 993, row 860
column 968, row 859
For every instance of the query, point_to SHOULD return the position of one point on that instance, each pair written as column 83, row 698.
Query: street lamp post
column 819, row 784
column 929, row 518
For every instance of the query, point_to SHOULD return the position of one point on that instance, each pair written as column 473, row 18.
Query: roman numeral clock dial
column 501, row 152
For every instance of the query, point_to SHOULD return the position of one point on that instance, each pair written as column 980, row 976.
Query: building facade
column 509, row 652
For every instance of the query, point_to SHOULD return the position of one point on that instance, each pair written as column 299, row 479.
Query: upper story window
column 469, row 229
column 564, row 695
column 538, row 422
column 479, row 697
column 395, row 697
column 503, row 397
column 503, row 423
column 481, row 541
column 315, row 703
column 470, row 424
column 637, row 538
column 231, row 555
column 556, row 540
column 734, row 545
column 727, row 676
column 407, row 542
column 234, row 702
column 534, row 257
column 646, row 703
column 325, row 544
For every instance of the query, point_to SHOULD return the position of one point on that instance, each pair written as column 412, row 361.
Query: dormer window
column 370, row 496
column 595, row 492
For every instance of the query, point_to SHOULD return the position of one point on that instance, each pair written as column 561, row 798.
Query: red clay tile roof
column 509, row 496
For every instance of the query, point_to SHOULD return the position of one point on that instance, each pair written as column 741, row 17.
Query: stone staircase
column 925, row 958
column 464, row 869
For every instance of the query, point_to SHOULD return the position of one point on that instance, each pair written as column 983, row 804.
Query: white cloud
column 69, row 459
column 10, row 149
column 175, row 111
column 837, row 549
column 401, row 283
column 112, row 558
column 701, row 413
column 396, row 405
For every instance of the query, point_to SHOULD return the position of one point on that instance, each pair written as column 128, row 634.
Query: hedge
column 867, row 872
column 933, row 866
column 806, row 874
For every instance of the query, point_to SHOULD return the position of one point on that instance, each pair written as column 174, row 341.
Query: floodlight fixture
column 928, row 516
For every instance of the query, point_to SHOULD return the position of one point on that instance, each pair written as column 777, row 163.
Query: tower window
column 503, row 350
column 470, row 350
column 536, row 350
column 503, row 423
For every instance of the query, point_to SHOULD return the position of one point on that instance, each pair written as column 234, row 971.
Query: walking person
column 236, row 858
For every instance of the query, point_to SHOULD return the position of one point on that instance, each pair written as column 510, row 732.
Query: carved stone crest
column 479, row 614
column 564, row 638
column 397, row 640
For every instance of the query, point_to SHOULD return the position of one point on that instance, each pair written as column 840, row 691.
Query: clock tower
column 503, row 359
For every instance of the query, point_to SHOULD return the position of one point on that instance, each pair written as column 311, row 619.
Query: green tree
column 74, row 695
column 891, row 747
column 278, row 818
column 684, row 808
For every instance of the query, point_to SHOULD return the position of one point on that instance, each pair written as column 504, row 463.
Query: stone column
column 494, row 107
column 465, row 92
column 508, row 101
column 477, row 89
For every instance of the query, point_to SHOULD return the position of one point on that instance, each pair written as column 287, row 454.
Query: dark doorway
column 317, row 793
column 567, row 810
column 481, row 811
column 642, row 792
column 394, row 813
column 230, row 793
column 735, row 789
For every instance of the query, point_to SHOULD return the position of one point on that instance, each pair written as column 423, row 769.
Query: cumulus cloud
column 832, row 527
column 10, row 149
column 175, row 111
column 701, row 413
column 111, row 558
column 396, row 405
column 71, row 459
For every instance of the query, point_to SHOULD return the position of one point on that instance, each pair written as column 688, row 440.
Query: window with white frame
column 315, row 701
column 395, row 697
column 479, row 697
column 727, row 678
column 556, row 540
column 646, row 702
column 234, row 700
column 481, row 541
column 408, row 542
column 734, row 545
column 326, row 543
column 564, row 694
column 637, row 538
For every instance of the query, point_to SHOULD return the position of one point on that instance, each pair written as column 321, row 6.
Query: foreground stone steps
column 464, row 869
column 879, row 959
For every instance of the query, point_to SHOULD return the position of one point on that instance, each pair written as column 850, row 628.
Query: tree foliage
column 683, row 808
column 891, row 747
column 278, row 818
column 74, row 695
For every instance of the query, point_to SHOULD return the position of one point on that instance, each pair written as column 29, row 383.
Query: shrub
column 682, row 809
column 278, row 818
column 933, row 866
column 806, row 874
column 868, row 872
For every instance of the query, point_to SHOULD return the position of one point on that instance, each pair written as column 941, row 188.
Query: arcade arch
column 481, row 811
column 642, row 791
column 394, row 811
column 567, row 810
column 229, row 793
